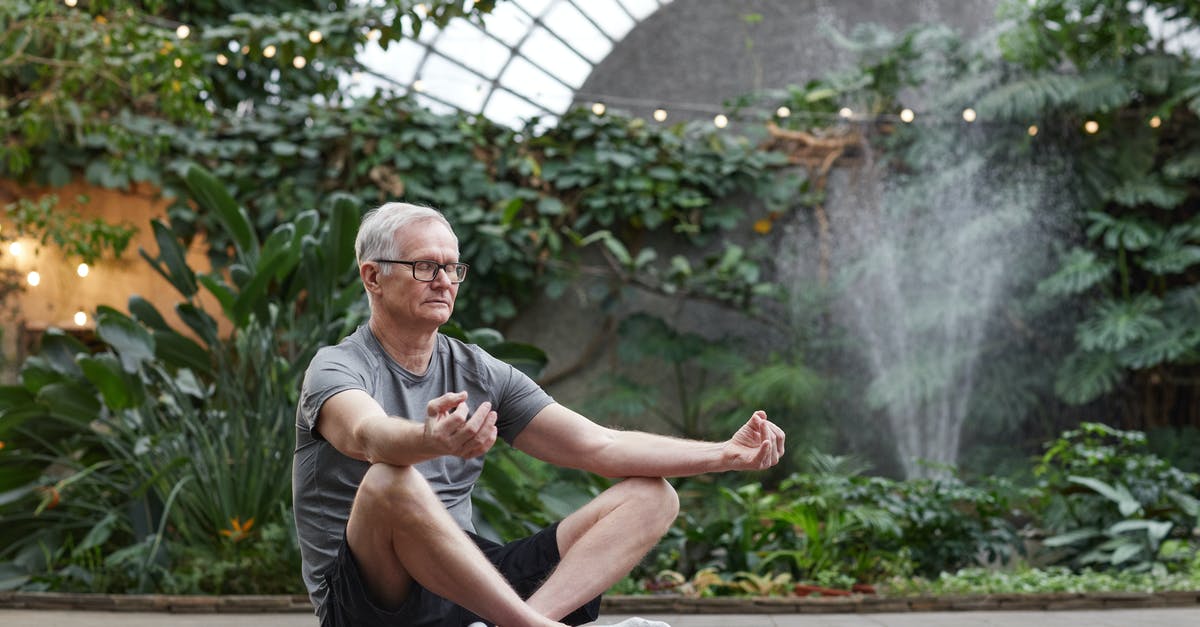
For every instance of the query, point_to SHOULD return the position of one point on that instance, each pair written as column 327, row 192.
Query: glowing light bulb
column 660, row 114
column 16, row 249
column 1155, row 122
column 1091, row 126
column 907, row 116
column 178, row 63
column 269, row 51
column 599, row 108
column 33, row 278
column 71, row 3
column 299, row 62
column 418, row 85
column 222, row 59
column 183, row 31
column 1033, row 130
column 82, row 270
column 315, row 36
column 81, row 318
column 720, row 120
column 846, row 112
column 783, row 112
column 969, row 114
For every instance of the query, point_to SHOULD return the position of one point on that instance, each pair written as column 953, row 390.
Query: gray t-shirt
column 324, row 481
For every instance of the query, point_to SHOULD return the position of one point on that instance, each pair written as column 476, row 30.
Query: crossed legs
column 399, row 532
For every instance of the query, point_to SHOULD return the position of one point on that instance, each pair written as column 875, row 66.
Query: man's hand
column 448, row 431
column 756, row 446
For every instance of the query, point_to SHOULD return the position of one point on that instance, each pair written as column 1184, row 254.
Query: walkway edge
column 665, row 604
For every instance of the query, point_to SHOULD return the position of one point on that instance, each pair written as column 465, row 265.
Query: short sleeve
column 332, row 370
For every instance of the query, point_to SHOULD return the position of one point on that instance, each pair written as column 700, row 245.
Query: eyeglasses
column 426, row 270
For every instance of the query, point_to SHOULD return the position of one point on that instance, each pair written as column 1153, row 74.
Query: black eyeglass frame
column 455, row 276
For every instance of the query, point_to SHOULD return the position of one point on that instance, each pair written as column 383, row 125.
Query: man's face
column 407, row 300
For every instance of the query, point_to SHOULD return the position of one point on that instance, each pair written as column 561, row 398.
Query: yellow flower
column 762, row 226
column 100, row 19
column 239, row 531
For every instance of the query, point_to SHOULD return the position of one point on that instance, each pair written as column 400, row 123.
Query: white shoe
column 636, row 622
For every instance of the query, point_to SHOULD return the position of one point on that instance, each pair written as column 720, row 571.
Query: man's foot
column 637, row 622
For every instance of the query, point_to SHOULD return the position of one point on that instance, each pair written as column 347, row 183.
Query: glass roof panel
column 525, row 59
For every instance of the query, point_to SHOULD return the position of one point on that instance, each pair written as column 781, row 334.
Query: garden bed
column 657, row 604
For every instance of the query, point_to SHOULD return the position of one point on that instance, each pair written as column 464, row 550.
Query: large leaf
column 182, row 352
column 171, row 261
column 133, row 344
column 1117, row 493
column 212, row 195
column 1087, row 375
column 344, row 219
column 108, row 375
column 146, row 313
column 71, row 401
column 1081, row 270
column 1115, row 324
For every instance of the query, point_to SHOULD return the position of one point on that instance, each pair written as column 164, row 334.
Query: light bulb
column 1091, row 126
column 71, row 3
column 269, row 51
column 222, row 59
column 720, row 120
column 660, row 114
column 16, row 249
column 80, row 318
column 299, row 62
column 82, row 270
column 783, row 112
column 969, row 114
column 418, row 85
column 315, row 36
column 907, row 116
column 183, row 31
column 178, row 63
column 1155, row 122
column 1033, row 130
column 33, row 278
column 599, row 108
column 846, row 112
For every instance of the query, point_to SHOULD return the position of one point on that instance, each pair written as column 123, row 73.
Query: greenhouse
column 713, row 307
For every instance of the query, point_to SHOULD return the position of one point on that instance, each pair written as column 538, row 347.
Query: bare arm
column 356, row 425
column 565, row 438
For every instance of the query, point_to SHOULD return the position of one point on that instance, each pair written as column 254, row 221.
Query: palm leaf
column 1117, row 323
column 1085, row 376
column 1151, row 191
column 1081, row 270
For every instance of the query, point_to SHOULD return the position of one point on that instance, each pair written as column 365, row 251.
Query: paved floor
column 1175, row 617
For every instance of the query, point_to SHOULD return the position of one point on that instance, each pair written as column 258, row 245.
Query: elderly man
column 391, row 431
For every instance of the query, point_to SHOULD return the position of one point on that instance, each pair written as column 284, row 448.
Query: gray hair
column 377, row 233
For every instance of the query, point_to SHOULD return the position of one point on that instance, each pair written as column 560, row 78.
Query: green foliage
column 1110, row 503
column 1042, row 580
column 50, row 222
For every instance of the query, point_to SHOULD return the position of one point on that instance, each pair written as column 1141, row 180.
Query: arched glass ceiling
column 526, row 59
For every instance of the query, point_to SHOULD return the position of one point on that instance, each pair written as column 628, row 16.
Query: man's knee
column 659, row 499
column 395, row 490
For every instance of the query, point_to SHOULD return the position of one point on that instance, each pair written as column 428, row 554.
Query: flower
column 239, row 531
column 763, row 226
column 50, row 497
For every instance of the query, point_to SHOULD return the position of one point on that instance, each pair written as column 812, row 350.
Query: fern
column 1149, row 190
column 1117, row 323
column 1101, row 90
column 1086, row 376
column 1182, row 167
column 1153, row 72
column 1118, row 232
column 1081, row 270
column 1172, row 253
column 1028, row 98
column 1171, row 343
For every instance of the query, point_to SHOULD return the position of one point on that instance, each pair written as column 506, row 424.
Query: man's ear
column 369, row 272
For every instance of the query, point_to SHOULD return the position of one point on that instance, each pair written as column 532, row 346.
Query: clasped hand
column 758, row 445
column 449, row 431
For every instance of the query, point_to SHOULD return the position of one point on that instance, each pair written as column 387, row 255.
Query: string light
column 16, row 249
column 968, row 114
column 599, row 108
column 846, row 112
column 178, row 62
column 71, row 3
column 1155, row 122
column 299, row 62
column 183, row 31
column 222, row 59
column 1091, row 126
column 783, row 112
column 269, row 51
column 81, row 318
column 660, row 114
column 33, row 278
column 315, row 36
column 720, row 120
column 907, row 116
column 82, row 270
column 1033, row 130
column 418, row 85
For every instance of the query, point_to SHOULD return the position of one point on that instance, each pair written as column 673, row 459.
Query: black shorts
column 525, row 563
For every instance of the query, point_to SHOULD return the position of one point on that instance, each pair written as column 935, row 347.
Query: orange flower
column 1, row 445
column 763, row 226
column 50, row 496
column 239, row 531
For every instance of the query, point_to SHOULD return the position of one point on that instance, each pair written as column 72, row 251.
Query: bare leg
column 604, row 540
column 400, row 532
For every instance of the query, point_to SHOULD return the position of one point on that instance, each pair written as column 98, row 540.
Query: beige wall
column 62, row 292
